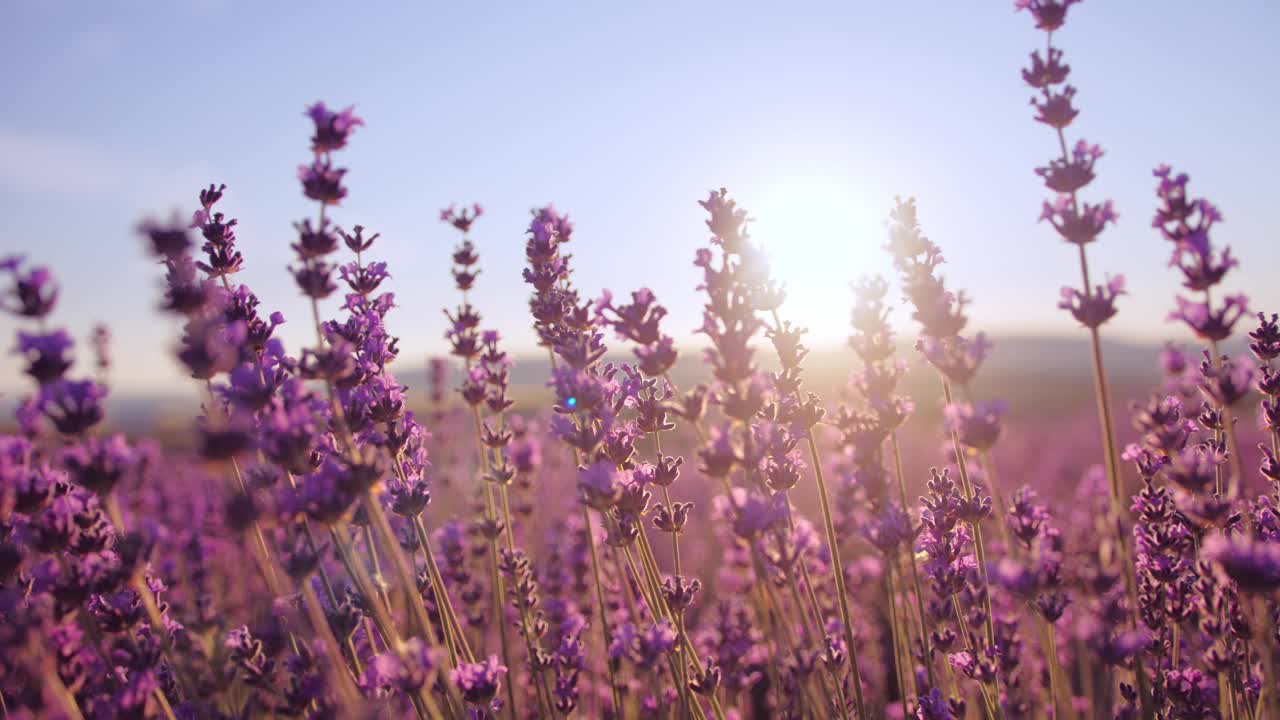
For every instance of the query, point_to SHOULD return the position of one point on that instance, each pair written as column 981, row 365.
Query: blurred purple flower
column 976, row 424
column 332, row 128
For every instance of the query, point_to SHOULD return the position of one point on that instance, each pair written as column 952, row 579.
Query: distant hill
column 1036, row 375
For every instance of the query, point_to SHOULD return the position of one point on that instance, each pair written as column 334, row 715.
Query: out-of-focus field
column 1042, row 380
column 1050, row 438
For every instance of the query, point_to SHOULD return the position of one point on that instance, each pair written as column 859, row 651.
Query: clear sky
column 815, row 115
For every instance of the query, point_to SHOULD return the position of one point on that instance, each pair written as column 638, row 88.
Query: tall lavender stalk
column 487, row 385
column 940, row 314
column 1185, row 222
column 1076, row 222
column 893, row 531
column 1080, row 223
column 74, row 409
column 555, row 309
column 737, row 289
column 225, row 335
column 350, row 359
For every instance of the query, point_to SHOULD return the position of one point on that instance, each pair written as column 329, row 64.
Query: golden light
column 821, row 236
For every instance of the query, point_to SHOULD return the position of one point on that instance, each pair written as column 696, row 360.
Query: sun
column 821, row 236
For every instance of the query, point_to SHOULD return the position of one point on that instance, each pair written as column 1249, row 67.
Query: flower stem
column 453, row 630
column 838, row 571
column 900, row 652
column 911, row 555
column 499, row 583
column 1266, row 622
column 666, row 497
column 1059, row 684
column 604, row 615
column 1235, row 487
column 139, row 585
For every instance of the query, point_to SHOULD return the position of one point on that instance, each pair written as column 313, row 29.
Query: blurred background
column 814, row 115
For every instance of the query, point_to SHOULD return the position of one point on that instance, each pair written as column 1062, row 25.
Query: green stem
column 604, row 615
column 492, row 508
column 838, row 572
column 900, row 653
column 911, row 555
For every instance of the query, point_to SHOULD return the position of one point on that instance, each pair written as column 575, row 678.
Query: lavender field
column 625, row 519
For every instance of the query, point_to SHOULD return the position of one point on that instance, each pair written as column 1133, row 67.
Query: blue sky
column 815, row 115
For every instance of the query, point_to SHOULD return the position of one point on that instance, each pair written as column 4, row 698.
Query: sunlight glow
column 821, row 237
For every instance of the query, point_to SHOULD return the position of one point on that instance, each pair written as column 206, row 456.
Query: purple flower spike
column 322, row 182
column 1211, row 324
column 167, row 240
column 1226, row 382
column 753, row 512
column 1254, row 565
column 73, row 406
column 478, row 682
column 99, row 464
column 1097, row 307
column 600, row 485
column 727, row 222
column 1054, row 108
column 33, row 294
column 1266, row 338
column 1042, row 73
column 977, row 424
column 957, row 358
column 1065, row 176
column 1049, row 14
column 463, row 219
column 1080, row 225
column 332, row 128
column 46, row 354
column 933, row 706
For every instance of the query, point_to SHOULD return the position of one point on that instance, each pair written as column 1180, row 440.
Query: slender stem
column 988, row 464
column 139, row 585
column 649, row 579
column 371, row 551
column 1230, row 684
column 454, row 641
column 911, row 555
column 979, row 545
column 810, row 613
column 774, row 613
column 320, row 625
column 1112, row 458
column 1229, row 426
column 838, row 571
column 653, row 604
column 658, row 609
column 831, row 540
column 899, row 652
column 499, row 583
column 604, row 615
column 1266, row 649
column 381, row 614
column 1059, row 683
column 391, row 547
column 651, row 571
column 666, row 497
column 991, row 705
column 1106, row 420
column 500, row 610
column 63, row 696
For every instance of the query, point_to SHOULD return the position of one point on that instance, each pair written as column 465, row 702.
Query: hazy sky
column 814, row 115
